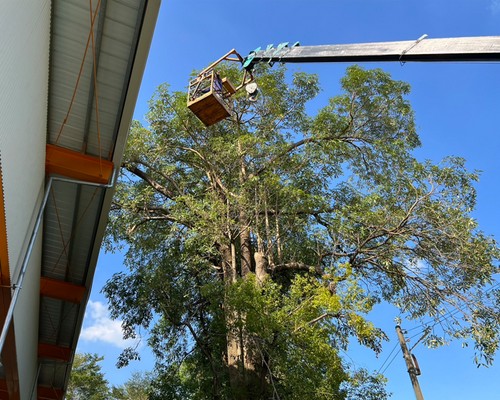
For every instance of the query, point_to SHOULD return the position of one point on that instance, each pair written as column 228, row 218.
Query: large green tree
column 87, row 381
column 137, row 387
column 257, row 247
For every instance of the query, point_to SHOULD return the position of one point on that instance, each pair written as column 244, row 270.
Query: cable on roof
column 96, row 92
column 92, row 22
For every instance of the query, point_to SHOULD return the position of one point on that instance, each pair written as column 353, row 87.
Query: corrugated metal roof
column 71, row 215
column 75, row 214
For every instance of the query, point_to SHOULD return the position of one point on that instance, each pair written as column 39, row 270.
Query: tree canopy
column 87, row 380
column 137, row 387
column 257, row 247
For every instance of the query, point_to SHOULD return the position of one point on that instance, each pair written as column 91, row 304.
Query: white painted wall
column 24, row 63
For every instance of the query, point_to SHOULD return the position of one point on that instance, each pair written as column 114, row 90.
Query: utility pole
column 409, row 364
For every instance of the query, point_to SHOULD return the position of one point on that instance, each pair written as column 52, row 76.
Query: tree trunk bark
column 243, row 356
column 234, row 346
column 246, row 251
column 228, row 267
column 246, row 245
column 261, row 265
column 235, row 358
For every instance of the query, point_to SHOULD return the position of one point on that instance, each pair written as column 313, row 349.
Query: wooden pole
column 409, row 364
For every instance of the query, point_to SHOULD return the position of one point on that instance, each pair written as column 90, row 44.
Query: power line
column 426, row 325
column 387, row 358
column 392, row 360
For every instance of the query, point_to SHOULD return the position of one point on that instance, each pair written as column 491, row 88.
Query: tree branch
column 345, row 139
column 296, row 266
column 168, row 178
column 149, row 180
column 317, row 319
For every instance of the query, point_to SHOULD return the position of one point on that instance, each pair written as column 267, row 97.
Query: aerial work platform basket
column 209, row 98
column 209, row 95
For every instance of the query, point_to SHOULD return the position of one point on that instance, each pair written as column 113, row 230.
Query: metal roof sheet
column 75, row 214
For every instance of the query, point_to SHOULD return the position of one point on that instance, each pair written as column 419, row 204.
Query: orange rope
column 52, row 325
column 96, row 93
column 55, row 329
column 90, row 39
column 80, row 72
column 64, row 251
column 77, row 224
column 59, row 223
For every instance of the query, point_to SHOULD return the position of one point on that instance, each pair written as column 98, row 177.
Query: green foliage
column 257, row 247
column 299, row 331
column 87, row 380
column 137, row 387
column 364, row 386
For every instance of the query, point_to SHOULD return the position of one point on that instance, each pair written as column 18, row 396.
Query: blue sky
column 456, row 113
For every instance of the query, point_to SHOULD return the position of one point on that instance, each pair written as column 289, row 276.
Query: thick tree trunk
column 245, row 375
column 261, row 265
column 228, row 265
column 246, row 245
column 235, row 358
column 243, row 357
column 246, row 251
column 234, row 346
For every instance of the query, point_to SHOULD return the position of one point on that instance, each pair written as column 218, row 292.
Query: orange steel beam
column 8, row 355
column 53, row 352
column 49, row 393
column 61, row 290
column 75, row 165
column 4, row 249
column 4, row 394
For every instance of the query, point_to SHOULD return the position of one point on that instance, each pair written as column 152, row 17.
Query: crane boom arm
column 209, row 96
column 481, row 48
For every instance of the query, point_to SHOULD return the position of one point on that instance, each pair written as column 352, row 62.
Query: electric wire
column 423, row 327
column 387, row 358
column 392, row 360
column 425, row 333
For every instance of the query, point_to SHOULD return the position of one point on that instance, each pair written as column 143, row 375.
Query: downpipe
column 18, row 285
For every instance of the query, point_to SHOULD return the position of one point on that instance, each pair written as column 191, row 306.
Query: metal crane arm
column 210, row 97
column 476, row 49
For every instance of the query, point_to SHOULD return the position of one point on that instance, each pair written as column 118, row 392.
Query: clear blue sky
column 456, row 109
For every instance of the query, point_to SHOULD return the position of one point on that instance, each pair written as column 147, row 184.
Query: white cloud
column 99, row 327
